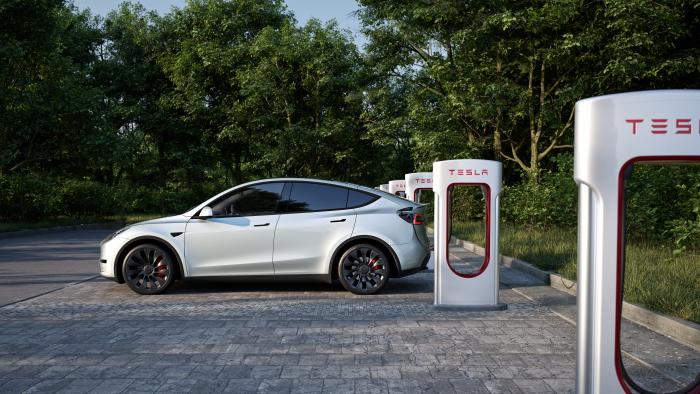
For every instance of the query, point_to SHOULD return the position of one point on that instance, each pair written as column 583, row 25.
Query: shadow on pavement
column 407, row 285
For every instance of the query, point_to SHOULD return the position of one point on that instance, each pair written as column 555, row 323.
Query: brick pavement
column 98, row 336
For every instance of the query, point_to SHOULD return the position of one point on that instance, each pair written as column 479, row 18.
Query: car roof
column 337, row 183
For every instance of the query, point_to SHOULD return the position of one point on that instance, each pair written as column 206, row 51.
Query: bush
column 552, row 201
column 30, row 196
column 86, row 198
column 663, row 202
column 26, row 195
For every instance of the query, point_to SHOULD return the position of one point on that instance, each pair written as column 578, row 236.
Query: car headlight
column 114, row 234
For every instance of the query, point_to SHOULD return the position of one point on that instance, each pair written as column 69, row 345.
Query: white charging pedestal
column 612, row 133
column 417, row 181
column 398, row 187
column 478, row 289
column 384, row 187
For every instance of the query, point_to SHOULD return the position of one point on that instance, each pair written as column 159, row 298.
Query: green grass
column 660, row 281
column 7, row 226
column 654, row 277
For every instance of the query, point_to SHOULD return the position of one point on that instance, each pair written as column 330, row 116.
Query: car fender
column 170, row 234
column 376, row 237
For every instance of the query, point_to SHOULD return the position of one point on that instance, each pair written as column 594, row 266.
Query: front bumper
column 109, row 251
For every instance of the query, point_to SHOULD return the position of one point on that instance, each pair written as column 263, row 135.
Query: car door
column 238, row 239
column 314, row 221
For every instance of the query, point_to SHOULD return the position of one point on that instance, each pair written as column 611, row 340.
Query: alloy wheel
column 364, row 269
column 148, row 269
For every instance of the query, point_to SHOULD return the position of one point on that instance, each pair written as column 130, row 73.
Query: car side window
column 262, row 199
column 310, row 197
column 358, row 198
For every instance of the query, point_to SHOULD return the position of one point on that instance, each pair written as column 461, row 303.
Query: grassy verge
column 7, row 226
column 654, row 277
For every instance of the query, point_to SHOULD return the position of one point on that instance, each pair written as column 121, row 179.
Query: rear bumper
column 413, row 257
column 422, row 267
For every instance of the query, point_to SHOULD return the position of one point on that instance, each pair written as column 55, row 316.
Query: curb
column 523, row 266
column 685, row 332
column 682, row 331
column 51, row 230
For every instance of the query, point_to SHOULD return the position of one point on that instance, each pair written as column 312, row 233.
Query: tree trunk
column 531, row 170
column 497, row 136
column 237, row 176
column 499, row 117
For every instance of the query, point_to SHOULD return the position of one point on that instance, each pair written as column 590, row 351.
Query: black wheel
column 148, row 269
column 363, row 269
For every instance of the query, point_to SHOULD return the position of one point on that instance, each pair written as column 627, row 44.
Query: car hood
column 165, row 220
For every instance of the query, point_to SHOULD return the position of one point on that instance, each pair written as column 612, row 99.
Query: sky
column 341, row 10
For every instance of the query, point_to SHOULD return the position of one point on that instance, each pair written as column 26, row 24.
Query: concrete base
column 473, row 308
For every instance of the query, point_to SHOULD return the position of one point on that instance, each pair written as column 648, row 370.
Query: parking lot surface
column 98, row 336
column 37, row 264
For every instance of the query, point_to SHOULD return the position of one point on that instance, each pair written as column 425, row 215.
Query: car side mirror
column 205, row 213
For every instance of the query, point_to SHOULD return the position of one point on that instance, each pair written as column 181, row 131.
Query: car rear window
column 358, row 199
column 309, row 197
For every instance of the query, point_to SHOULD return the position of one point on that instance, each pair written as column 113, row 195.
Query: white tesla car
column 276, row 228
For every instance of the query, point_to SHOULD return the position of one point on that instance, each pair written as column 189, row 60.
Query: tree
column 206, row 44
column 301, row 91
column 503, row 76
column 47, row 102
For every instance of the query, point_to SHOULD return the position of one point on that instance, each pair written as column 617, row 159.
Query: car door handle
column 261, row 225
column 337, row 220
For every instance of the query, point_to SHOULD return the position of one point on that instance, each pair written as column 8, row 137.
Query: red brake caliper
column 373, row 263
column 160, row 269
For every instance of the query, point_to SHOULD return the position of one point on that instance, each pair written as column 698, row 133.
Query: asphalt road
column 37, row 264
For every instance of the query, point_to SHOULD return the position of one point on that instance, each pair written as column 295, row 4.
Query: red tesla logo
column 469, row 172
column 423, row 180
column 662, row 125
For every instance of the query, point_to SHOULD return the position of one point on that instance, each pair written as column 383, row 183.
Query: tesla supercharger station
column 478, row 289
column 417, row 181
column 384, row 187
column 397, row 187
column 612, row 133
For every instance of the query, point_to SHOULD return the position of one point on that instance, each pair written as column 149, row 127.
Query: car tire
column 363, row 269
column 148, row 269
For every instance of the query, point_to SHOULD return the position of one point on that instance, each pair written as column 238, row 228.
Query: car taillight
column 418, row 219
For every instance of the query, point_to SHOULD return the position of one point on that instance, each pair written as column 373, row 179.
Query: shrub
column 86, row 198
column 663, row 202
column 25, row 195
column 552, row 201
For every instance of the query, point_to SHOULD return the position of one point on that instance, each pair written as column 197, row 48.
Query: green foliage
column 47, row 101
column 160, row 112
column 662, row 203
column 551, row 201
column 25, row 195
column 75, row 197
column 499, row 79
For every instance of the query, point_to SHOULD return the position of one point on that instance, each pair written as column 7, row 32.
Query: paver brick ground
column 205, row 337
column 98, row 336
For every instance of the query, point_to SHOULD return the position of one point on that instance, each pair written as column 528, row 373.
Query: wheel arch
column 368, row 239
column 145, row 239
